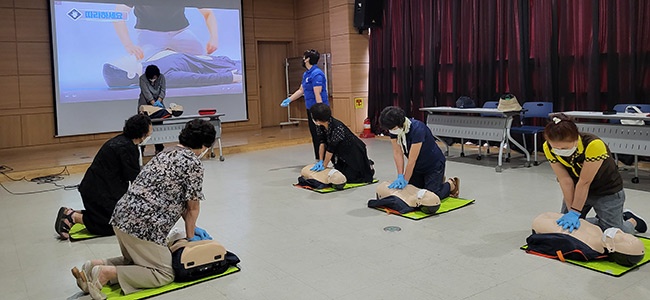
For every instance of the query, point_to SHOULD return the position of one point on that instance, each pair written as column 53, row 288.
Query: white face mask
column 152, row 80
column 565, row 152
column 145, row 140
column 395, row 131
column 203, row 153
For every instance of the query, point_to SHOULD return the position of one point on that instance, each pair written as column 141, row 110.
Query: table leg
column 511, row 139
column 446, row 146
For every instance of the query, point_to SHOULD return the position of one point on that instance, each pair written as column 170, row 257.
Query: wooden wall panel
column 6, row 3
column 250, row 55
column 34, row 58
column 310, row 28
column 340, row 49
column 274, row 29
column 39, row 4
column 38, row 129
column 249, row 30
column 36, row 91
column 32, row 25
column 306, row 8
column 318, row 45
column 251, row 82
column 8, row 58
column 342, row 109
column 359, row 48
column 335, row 3
column 247, row 8
column 349, row 78
column 7, row 25
column 253, row 112
column 273, row 9
column 341, row 20
column 10, row 92
column 10, row 133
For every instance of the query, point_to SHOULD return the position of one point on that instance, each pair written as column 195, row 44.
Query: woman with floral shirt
column 168, row 187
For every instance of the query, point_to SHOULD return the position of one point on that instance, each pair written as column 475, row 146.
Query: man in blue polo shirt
column 314, row 88
column 426, row 162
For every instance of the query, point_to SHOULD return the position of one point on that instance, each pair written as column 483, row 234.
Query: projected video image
column 102, row 49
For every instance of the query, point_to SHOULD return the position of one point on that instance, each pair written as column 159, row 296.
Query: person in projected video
column 179, row 69
column 162, row 27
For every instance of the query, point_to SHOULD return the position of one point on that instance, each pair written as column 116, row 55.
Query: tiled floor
column 296, row 244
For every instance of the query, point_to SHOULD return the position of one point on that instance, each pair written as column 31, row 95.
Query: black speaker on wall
column 367, row 14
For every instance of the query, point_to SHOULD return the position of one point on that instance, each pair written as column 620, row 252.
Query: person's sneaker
column 641, row 225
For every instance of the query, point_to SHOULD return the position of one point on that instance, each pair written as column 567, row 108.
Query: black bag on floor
column 199, row 259
column 561, row 246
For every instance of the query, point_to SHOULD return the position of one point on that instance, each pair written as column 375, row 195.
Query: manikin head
column 624, row 249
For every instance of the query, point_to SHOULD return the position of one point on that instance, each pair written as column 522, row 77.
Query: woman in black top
column 339, row 145
column 107, row 179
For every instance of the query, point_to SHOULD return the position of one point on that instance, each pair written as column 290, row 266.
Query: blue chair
column 533, row 110
column 621, row 109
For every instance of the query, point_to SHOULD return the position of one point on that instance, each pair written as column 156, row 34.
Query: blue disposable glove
column 200, row 234
column 285, row 102
column 158, row 104
column 318, row 166
column 570, row 221
column 399, row 183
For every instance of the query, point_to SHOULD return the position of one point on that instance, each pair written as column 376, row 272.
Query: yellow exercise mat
column 114, row 292
column 446, row 205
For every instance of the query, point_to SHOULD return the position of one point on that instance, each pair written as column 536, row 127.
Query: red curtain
column 579, row 54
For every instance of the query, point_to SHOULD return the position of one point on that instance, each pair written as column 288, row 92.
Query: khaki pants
column 143, row 264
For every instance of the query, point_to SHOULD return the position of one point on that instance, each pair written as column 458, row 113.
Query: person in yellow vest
column 588, row 177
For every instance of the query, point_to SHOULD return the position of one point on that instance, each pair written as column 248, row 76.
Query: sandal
column 456, row 191
column 60, row 226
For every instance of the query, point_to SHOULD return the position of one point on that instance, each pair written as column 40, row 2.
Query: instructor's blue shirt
column 430, row 153
column 314, row 77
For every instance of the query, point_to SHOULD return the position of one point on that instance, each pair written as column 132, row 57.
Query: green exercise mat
column 446, row 205
column 609, row 267
column 331, row 189
column 114, row 292
column 79, row 232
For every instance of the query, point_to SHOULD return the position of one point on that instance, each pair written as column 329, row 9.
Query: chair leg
column 535, row 149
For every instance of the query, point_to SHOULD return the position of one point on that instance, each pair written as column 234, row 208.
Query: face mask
column 565, row 152
column 395, row 131
column 152, row 80
column 144, row 142
column 203, row 153
column 304, row 64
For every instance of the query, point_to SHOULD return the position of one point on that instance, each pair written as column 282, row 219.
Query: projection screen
column 101, row 48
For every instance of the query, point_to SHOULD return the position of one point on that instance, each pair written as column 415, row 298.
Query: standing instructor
column 314, row 88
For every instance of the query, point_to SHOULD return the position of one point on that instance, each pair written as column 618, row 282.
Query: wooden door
column 272, row 82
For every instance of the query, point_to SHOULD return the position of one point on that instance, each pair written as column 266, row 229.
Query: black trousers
column 314, row 135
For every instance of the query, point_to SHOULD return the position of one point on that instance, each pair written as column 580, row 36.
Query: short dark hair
column 197, row 133
column 561, row 128
column 392, row 116
column 313, row 56
column 152, row 71
column 320, row 112
column 136, row 126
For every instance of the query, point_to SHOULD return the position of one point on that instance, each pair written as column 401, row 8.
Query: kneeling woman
column 339, row 145
column 588, row 177
column 168, row 187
